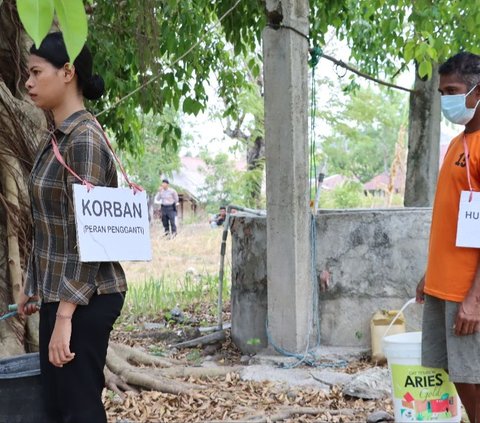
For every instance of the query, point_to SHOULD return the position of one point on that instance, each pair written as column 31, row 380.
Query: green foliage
column 73, row 22
column 180, row 43
column 36, row 17
column 249, row 132
column 351, row 195
column 346, row 196
column 225, row 184
column 251, row 181
column 222, row 183
column 385, row 35
column 159, row 155
column 135, row 42
column 364, row 130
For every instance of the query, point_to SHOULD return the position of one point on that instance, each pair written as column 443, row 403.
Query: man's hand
column 59, row 346
column 25, row 309
column 420, row 294
column 468, row 317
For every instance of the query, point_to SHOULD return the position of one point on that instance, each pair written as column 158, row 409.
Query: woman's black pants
column 73, row 393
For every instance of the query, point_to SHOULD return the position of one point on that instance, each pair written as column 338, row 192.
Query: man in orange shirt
column 450, row 288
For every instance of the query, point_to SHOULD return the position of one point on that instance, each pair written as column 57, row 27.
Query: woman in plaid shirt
column 80, row 301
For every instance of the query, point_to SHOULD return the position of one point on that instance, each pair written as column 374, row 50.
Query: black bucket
column 20, row 391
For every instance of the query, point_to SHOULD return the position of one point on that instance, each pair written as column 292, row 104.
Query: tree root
column 133, row 355
column 151, row 379
column 116, row 384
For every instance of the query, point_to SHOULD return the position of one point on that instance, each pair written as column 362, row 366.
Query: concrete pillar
column 286, row 138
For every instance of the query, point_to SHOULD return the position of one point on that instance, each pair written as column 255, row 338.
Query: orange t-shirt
column 451, row 269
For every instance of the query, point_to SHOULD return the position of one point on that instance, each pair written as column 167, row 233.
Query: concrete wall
column 249, row 283
column 375, row 259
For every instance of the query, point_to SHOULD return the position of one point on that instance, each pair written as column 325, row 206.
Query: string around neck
column 467, row 162
column 135, row 187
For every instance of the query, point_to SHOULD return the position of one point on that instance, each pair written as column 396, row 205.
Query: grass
column 183, row 271
column 195, row 250
column 155, row 298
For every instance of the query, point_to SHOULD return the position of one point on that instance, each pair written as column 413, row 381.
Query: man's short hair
column 223, row 208
column 166, row 181
column 465, row 65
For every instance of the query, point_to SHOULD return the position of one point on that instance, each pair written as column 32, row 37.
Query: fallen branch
column 212, row 338
column 165, row 334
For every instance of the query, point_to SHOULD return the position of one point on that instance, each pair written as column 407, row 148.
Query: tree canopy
column 364, row 130
column 385, row 35
column 181, row 44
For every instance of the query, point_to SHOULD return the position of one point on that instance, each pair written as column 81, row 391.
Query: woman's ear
column 68, row 71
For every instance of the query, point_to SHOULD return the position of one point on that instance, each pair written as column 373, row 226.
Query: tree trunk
column 19, row 128
column 256, row 163
column 423, row 142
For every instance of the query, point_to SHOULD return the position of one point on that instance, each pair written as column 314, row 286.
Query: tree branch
column 364, row 75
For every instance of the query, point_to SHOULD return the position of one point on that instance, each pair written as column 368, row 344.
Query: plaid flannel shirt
column 54, row 270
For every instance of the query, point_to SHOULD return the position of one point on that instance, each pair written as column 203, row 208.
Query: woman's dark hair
column 54, row 51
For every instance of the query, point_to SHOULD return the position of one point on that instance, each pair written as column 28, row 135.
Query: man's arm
column 468, row 316
column 420, row 292
column 157, row 199
column 175, row 196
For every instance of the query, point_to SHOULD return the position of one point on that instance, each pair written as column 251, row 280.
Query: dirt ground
column 228, row 398
column 195, row 249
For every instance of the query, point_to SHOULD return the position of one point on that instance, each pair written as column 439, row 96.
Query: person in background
column 218, row 220
column 80, row 301
column 167, row 198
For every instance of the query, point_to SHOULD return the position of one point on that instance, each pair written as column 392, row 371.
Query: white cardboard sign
column 112, row 224
column 468, row 226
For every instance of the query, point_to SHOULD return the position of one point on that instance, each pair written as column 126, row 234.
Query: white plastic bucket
column 420, row 394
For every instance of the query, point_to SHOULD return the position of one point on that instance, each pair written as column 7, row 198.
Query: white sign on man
column 112, row 224
column 468, row 225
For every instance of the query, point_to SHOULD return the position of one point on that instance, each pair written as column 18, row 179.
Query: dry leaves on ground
column 231, row 399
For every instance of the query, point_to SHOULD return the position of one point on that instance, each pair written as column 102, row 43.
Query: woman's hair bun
column 93, row 88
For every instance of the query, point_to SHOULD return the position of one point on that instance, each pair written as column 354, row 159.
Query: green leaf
column 425, row 69
column 36, row 17
column 73, row 22
column 432, row 52
column 409, row 51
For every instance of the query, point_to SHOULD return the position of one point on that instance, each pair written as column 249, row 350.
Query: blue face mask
column 455, row 109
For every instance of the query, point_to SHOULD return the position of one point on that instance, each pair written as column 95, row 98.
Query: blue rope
column 308, row 357
column 12, row 308
column 8, row 315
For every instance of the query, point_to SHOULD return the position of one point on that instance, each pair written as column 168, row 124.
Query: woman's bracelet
column 63, row 316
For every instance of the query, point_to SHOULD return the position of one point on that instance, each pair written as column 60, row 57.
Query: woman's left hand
column 59, row 348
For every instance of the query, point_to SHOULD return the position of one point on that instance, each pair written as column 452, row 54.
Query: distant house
column 334, row 181
column 189, row 179
column 379, row 183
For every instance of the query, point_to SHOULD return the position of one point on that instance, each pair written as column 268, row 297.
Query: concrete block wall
column 375, row 258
